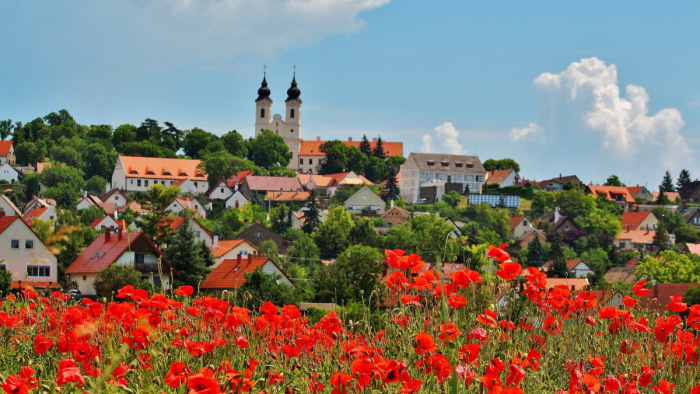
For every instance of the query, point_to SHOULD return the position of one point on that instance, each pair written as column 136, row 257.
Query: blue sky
column 547, row 84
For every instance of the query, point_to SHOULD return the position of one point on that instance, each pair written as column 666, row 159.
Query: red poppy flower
column 203, row 382
column 14, row 384
column 509, row 270
column 409, row 386
column 291, row 351
column 664, row 387
column 469, row 353
column 184, row 291
column 629, row 302
column 425, row 342
column 340, row 381
column 677, row 305
column 449, row 331
column 639, row 290
column 457, row 301
column 69, row 373
column 42, row 344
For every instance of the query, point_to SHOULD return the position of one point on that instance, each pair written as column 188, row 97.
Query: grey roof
column 447, row 163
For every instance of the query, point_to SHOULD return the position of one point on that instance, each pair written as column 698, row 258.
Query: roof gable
column 447, row 163
column 161, row 168
column 633, row 220
column 612, row 193
column 229, row 274
column 106, row 249
column 12, row 206
column 497, row 177
column 5, row 147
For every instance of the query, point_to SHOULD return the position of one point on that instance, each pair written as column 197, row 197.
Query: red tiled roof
column 611, row 192
column 515, row 221
column 226, row 246
column 103, row 252
column 109, row 207
column 577, row 283
column 693, row 248
column 97, row 222
column 5, row 222
column 634, row 189
column 5, row 148
column 638, row 236
column 276, row 183
column 238, row 178
column 498, row 176
column 134, row 206
column 156, row 167
column 113, row 191
column 229, row 273
column 570, row 264
column 33, row 214
column 633, row 220
column 662, row 292
column 287, row 196
column 313, row 148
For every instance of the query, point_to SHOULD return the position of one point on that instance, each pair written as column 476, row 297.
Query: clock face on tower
column 292, row 104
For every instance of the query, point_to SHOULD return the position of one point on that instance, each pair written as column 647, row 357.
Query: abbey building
column 306, row 155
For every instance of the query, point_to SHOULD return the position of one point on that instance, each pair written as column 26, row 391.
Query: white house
column 425, row 177
column 365, row 201
column 87, row 201
column 7, row 207
column 107, row 222
column 502, row 178
column 200, row 233
column 230, row 249
column 219, row 191
column 133, row 249
column 187, row 186
column 8, row 173
column 237, row 200
column 578, row 268
column 24, row 254
column 47, row 213
column 186, row 203
column 138, row 174
column 115, row 196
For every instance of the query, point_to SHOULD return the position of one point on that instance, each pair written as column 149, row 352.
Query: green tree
column 692, row 296
column 6, row 128
column 536, row 255
column 378, row 150
column 495, row 219
column 599, row 261
column 96, row 185
column 661, row 238
column 401, row 237
column 503, row 164
column 196, row 141
column 452, row 198
column 303, row 251
column 333, row 235
column 149, row 130
column 365, row 147
column 99, row 161
column 363, row 232
column 336, row 157
column 391, row 190
column 268, row 149
column 109, row 280
column 683, row 179
column 599, row 222
column 353, row 277
column 667, row 183
column 63, row 183
column 171, row 137
column 265, row 287
column 312, row 213
column 185, row 257
column 235, row 144
column 123, row 134
column 222, row 164
column 146, row 149
column 613, row 180
column 5, row 282
column 269, row 249
column 375, row 169
column 559, row 267
column 670, row 267
column 432, row 233
column 28, row 153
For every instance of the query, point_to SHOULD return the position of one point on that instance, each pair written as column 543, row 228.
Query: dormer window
column 133, row 172
column 431, row 162
column 150, row 173
column 458, row 165
column 444, row 163
column 470, row 165
column 183, row 174
column 167, row 173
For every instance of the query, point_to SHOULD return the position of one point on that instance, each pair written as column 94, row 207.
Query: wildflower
column 69, row 373
column 184, row 291
column 425, row 342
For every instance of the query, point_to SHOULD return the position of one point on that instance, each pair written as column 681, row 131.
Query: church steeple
column 264, row 91
column 293, row 92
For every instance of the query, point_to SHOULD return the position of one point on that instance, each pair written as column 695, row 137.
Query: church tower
column 263, row 108
column 292, row 135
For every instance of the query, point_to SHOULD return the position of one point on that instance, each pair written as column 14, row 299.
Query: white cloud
column 586, row 120
column 448, row 138
column 216, row 30
column 529, row 131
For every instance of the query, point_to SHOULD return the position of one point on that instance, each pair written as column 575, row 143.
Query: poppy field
column 443, row 335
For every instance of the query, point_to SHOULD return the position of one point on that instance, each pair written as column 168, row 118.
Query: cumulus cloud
column 447, row 136
column 582, row 111
column 529, row 131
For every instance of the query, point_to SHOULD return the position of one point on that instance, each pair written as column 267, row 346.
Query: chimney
column 107, row 233
column 392, row 204
column 119, row 232
column 318, row 138
column 349, row 139
column 137, row 155
column 216, row 242
column 560, row 175
column 374, row 139
column 238, row 259
column 557, row 215
column 2, row 214
column 250, row 258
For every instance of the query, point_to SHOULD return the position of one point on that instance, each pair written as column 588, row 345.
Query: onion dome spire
column 293, row 92
column 264, row 91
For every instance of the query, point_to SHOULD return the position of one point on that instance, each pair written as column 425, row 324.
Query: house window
column 311, row 161
column 195, row 184
column 222, row 189
column 138, row 182
column 2, row 267
column 38, row 270
column 14, row 244
column 116, row 198
column 258, row 234
column 243, row 253
column 84, row 277
column 524, row 222
column 139, row 258
column 199, row 234
column 145, row 183
column 29, row 244
column 301, row 161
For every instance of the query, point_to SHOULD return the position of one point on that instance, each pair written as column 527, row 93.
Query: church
column 306, row 155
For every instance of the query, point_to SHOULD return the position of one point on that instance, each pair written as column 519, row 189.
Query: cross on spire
column 264, row 70
column 295, row 70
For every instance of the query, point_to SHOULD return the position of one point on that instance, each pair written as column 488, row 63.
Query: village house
column 557, row 184
column 502, row 178
column 47, row 213
column 322, row 184
column 253, row 184
column 7, row 152
column 134, row 249
column 8, row 173
column 230, row 249
column 219, row 191
column 425, row 177
column 138, row 174
column 7, row 207
column 365, row 202
column 523, row 241
column 256, row 234
column 519, row 226
column 237, row 200
column 87, row 201
column 200, row 233
column 635, row 239
column 640, row 193
column 672, row 196
column 692, row 216
column 116, row 197
column 395, row 215
column 690, row 192
column 230, row 274
column 578, row 268
column 235, row 181
column 188, row 203
column 298, row 197
column 617, row 194
column 106, row 222
column 643, row 220
column 555, row 221
column 37, row 202
column 25, row 256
